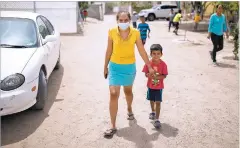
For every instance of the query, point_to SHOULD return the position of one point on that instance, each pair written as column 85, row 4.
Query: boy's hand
column 149, row 36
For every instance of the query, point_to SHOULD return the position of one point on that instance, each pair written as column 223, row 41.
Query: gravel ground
column 200, row 107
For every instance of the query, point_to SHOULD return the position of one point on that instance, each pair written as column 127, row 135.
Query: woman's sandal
column 110, row 132
column 130, row 116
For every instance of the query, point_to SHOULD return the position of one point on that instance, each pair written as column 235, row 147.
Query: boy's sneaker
column 157, row 124
column 152, row 116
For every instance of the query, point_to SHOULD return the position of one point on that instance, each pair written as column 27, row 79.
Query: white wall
column 62, row 14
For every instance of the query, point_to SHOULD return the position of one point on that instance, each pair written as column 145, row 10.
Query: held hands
column 151, row 71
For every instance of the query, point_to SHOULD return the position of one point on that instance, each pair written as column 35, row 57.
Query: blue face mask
column 123, row 26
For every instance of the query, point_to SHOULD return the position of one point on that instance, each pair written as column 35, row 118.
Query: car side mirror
column 158, row 8
column 49, row 38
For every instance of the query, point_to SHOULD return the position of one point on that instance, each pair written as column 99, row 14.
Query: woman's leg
column 215, row 46
column 129, row 97
column 113, row 106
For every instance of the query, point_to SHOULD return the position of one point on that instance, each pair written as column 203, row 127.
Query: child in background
column 176, row 21
column 155, row 83
column 171, row 16
column 197, row 19
column 134, row 19
column 143, row 27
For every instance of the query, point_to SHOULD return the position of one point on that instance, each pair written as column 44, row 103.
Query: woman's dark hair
column 179, row 11
column 126, row 12
column 156, row 47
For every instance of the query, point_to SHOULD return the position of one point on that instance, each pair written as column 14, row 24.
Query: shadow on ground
column 229, row 57
column 224, row 65
column 138, row 135
column 19, row 126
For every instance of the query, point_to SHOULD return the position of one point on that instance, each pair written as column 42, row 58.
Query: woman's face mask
column 123, row 26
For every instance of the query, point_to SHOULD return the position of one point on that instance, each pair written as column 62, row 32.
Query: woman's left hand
column 151, row 71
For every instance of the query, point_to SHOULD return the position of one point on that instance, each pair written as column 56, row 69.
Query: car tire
column 58, row 64
column 42, row 92
column 151, row 17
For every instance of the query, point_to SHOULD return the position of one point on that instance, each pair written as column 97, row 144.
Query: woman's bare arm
column 108, row 52
column 143, row 52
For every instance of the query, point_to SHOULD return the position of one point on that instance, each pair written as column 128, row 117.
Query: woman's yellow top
column 123, row 50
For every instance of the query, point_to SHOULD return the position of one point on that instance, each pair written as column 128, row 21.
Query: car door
column 175, row 8
column 158, row 12
column 56, row 44
column 48, row 47
column 165, row 10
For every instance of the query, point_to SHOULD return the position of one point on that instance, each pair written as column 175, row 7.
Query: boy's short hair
column 156, row 47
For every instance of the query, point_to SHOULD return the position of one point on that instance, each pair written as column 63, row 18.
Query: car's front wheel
column 42, row 92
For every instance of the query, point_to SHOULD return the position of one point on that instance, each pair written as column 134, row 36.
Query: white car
column 30, row 51
column 159, row 11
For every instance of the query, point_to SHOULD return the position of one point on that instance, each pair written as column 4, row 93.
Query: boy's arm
column 161, row 77
column 164, row 72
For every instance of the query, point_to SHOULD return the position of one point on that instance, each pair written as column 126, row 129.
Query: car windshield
column 17, row 32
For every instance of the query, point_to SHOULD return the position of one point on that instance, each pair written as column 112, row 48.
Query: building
column 63, row 15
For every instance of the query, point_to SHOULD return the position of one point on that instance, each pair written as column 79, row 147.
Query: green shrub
column 234, row 33
column 139, row 8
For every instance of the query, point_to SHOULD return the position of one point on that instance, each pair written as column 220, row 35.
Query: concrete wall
column 96, row 11
column 63, row 15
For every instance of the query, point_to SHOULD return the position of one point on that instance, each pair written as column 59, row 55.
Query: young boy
column 197, row 19
column 176, row 21
column 171, row 16
column 155, row 83
column 143, row 28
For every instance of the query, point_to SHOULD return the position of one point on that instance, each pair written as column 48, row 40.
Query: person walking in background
column 217, row 26
column 171, row 17
column 134, row 19
column 85, row 14
column 176, row 21
column 120, row 65
column 197, row 19
column 155, row 83
column 144, row 29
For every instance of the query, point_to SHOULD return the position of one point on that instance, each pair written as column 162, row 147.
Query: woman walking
column 120, row 67
column 217, row 26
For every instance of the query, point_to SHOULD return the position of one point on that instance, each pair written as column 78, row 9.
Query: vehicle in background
column 159, row 11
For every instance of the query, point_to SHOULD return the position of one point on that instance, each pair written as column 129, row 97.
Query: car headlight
column 12, row 82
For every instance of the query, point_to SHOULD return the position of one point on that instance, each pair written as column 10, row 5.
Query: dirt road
column 200, row 107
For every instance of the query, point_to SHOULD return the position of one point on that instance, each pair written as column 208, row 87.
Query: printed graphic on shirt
column 160, row 69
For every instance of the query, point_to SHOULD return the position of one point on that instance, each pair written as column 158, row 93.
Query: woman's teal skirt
column 121, row 74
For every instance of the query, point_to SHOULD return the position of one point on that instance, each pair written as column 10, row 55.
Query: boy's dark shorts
column 144, row 41
column 154, row 95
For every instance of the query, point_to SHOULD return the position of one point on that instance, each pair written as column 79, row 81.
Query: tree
column 83, row 5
